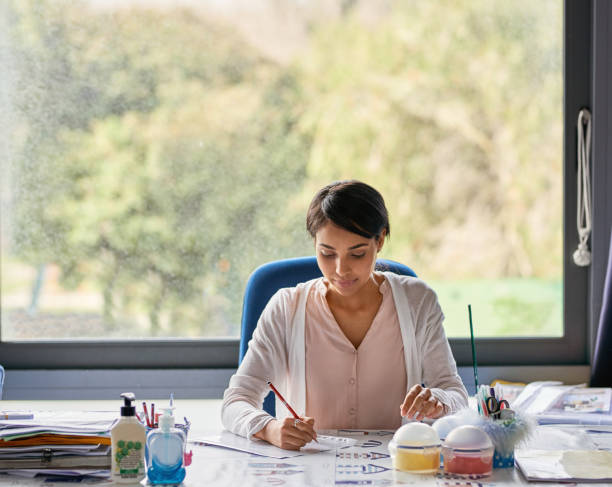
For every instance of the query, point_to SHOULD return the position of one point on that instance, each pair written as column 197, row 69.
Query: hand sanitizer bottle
column 166, row 448
column 127, row 445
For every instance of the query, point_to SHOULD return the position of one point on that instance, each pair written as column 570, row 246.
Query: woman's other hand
column 421, row 403
column 288, row 433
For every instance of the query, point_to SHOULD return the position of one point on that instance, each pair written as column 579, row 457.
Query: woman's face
column 346, row 259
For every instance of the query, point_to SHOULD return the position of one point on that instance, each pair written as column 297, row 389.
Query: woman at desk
column 351, row 349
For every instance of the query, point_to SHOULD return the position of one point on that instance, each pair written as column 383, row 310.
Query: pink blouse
column 353, row 388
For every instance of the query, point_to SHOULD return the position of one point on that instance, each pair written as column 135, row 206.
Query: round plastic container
column 445, row 425
column 468, row 450
column 415, row 448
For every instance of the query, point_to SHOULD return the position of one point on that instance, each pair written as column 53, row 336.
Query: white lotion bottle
column 128, row 445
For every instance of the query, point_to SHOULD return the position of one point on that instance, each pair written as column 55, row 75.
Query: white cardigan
column 276, row 353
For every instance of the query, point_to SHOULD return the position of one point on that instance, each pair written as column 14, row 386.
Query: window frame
column 215, row 353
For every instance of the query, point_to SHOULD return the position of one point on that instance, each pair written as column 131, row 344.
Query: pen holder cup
column 506, row 435
column 503, row 461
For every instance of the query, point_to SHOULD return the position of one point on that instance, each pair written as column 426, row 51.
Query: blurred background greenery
column 157, row 152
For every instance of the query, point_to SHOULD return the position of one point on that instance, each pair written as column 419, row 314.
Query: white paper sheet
column 530, row 392
column 37, row 448
column 545, row 398
column 64, row 422
column 366, row 462
column 31, row 473
column 565, row 465
column 58, row 451
column 601, row 437
column 260, row 447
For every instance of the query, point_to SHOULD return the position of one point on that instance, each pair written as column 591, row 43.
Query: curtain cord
column 582, row 255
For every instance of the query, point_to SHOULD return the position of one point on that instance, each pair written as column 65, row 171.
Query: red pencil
column 280, row 396
column 146, row 414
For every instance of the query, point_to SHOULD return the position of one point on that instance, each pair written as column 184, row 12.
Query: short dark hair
column 352, row 205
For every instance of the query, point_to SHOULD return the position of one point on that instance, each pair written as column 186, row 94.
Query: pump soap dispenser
column 127, row 445
column 165, row 452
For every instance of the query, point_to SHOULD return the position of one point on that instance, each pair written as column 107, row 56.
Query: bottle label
column 129, row 458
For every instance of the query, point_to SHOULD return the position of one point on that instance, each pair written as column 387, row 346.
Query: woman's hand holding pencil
column 288, row 433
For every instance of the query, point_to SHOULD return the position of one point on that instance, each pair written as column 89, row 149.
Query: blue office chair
column 269, row 278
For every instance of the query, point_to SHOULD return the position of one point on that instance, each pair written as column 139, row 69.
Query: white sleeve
column 439, row 368
column 265, row 360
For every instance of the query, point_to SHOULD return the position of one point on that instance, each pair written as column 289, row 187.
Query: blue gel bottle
column 165, row 452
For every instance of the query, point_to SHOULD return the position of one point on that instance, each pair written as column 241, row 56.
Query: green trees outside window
column 156, row 156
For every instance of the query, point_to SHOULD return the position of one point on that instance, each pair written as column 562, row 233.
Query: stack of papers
column 59, row 443
column 565, row 465
column 555, row 403
column 567, row 453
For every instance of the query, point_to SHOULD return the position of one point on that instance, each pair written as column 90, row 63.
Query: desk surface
column 367, row 463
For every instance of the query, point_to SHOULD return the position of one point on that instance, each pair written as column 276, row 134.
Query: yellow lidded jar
column 415, row 448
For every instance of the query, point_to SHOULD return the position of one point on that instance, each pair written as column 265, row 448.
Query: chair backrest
column 270, row 277
column 1, row 380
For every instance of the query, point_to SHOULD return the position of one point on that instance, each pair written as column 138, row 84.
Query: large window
column 158, row 151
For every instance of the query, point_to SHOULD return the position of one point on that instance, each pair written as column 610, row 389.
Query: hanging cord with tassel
column 582, row 255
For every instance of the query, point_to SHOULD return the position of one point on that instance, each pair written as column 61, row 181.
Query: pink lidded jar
column 468, row 450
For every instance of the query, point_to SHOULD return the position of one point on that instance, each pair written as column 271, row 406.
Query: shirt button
column 352, row 411
column 351, row 381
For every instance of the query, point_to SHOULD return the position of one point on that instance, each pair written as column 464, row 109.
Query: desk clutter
column 368, row 461
column 64, row 443
column 552, row 402
column 476, row 446
column 455, row 449
column 94, row 444
column 567, row 453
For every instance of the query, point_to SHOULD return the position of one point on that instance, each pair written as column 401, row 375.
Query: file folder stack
column 551, row 402
column 57, row 443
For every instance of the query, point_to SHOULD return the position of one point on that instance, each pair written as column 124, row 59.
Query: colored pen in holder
column 505, row 426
